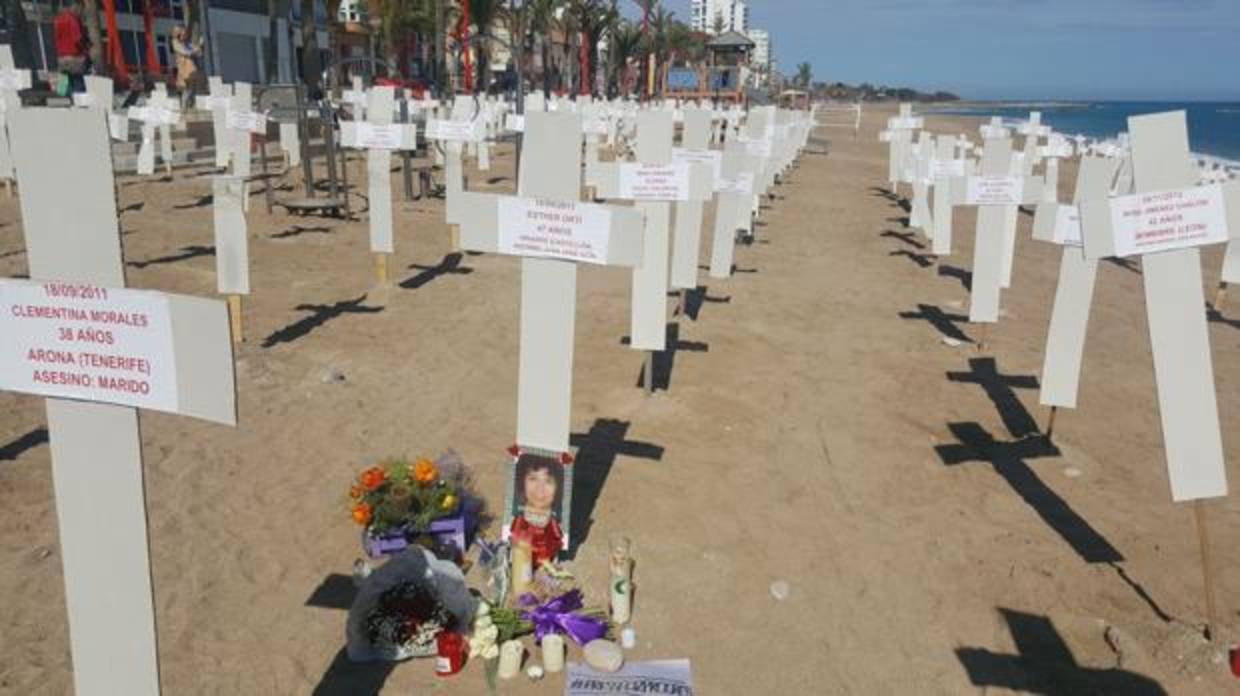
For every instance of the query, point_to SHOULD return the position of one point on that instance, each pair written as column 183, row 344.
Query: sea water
column 1213, row 127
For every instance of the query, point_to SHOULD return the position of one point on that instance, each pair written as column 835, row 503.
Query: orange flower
column 355, row 491
column 373, row 477
column 424, row 472
column 361, row 514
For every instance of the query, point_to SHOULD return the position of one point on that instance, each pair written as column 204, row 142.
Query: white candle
column 510, row 654
column 553, row 652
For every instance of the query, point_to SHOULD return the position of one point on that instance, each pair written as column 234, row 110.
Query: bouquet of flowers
column 397, row 494
column 404, row 605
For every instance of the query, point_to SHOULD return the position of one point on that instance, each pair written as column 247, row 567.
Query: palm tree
column 399, row 18
column 539, row 20
column 661, row 23
column 623, row 45
column 484, row 15
column 591, row 20
column 805, row 74
column 648, row 9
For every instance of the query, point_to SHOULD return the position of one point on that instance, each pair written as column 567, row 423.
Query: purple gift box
column 456, row 530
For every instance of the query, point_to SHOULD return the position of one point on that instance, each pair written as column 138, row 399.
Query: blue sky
column 1012, row 49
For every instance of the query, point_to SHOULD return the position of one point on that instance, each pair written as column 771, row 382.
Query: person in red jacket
column 72, row 45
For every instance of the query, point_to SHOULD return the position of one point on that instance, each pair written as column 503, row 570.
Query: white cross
column 99, row 95
column 129, row 349
column 232, row 250
column 687, row 235
column 943, row 168
column 654, row 182
column 1057, row 147
column 921, row 157
column 553, row 232
column 734, row 192
column 899, row 137
column 1065, row 339
column 241, row 122
column 1165, row 222
column 11, row 80
column 160, row 112
column 993, row 191
column 217, row 102
column 463, row 127
column 380, row 137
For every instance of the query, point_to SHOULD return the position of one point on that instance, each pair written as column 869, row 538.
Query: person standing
column 187, row 55
column 72, row 45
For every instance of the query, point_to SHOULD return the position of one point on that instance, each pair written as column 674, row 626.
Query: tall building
column 760, row 61
column 717, row 16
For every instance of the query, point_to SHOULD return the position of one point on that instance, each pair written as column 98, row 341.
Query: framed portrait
column 539, row 502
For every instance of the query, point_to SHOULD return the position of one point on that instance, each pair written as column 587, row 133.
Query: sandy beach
column 813, row 429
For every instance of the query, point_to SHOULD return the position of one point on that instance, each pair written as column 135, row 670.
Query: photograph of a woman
column 536, row 506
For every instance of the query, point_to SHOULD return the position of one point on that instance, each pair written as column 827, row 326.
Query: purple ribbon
column 556, row 616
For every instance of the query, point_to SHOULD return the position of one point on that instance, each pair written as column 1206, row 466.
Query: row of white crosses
column 654, row 182
column 99, row 352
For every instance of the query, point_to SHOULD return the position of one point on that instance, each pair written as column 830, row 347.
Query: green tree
column 805, row 75
column 623, row 45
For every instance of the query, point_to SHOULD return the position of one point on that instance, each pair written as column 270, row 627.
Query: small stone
column 330, row 375
column 780, row 590
column 1072, row 472
column 534, row 672
column 604, row 656
column 953, row 342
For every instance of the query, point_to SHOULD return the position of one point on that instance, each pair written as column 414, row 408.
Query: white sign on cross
column 548, row 226
column 1065, row 338
column 654, row 182
column 1165, row 222
column 380, row 137
column 98, row 351
column 992, row 191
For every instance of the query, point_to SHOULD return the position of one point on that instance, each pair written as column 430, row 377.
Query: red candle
column 451, row 656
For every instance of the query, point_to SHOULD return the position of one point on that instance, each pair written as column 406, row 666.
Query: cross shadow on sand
column 943, row 322
column 449, row 265
column 597, row 451
column 16, row 448
column 908, row 238
column 697, row 297
column 319, row 315
column 665, row 359
column 186, row 253
column 1045, row 665
column 965, row 277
